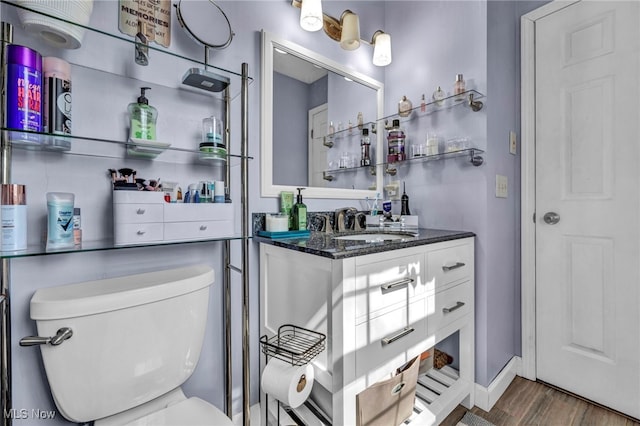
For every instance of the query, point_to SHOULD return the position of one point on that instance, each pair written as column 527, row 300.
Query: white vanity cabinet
column 378, row 311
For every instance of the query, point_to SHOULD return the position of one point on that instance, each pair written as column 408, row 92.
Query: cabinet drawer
column 449, row 305
column 137, row 213
column 386, row 285
column 180, row 212
column 448, row 265
column 390, row 335
column 133, row 233
column 176, row 231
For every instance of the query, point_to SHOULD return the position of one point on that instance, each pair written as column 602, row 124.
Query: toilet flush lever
column 63, row 334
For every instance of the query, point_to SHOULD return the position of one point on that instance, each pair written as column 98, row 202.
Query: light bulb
column 350, row 37
column 382, row 49
column 311, row 15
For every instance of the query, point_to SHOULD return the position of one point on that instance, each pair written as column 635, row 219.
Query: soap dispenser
column 299, row 213
column 143, row 118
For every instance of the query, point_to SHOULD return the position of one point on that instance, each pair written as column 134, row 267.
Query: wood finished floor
column 533, row 403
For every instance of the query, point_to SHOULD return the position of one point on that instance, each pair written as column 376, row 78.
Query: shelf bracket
column 391, row 170
column 328, row 177
column 327, row 141
column 475, row 105
column 475, row 159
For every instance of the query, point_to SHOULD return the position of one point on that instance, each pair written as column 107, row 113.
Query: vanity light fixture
column 350, row 34
column 381, row 48
column 311, row 15
column 346, row 31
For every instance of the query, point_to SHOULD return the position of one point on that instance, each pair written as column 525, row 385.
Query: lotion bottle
column 143, row 118
column 299, row 213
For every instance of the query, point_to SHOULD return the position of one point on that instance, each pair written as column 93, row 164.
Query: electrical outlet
column 393, row 190
column 501, row 186
column 513, row 143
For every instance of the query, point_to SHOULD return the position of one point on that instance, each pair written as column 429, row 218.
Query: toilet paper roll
column 287, row 383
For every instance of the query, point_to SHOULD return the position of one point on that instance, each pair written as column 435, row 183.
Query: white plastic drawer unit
column 144, row 217
column 449, row 265
column 384, row 284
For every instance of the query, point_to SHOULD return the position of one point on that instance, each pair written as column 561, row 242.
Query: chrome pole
column 5, row 273
column 244, row 170
column 227, row 271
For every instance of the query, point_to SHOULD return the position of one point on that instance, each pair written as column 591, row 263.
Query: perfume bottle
column 365, row 145
column 423, row 104
column 404, row 107
column 438, row 96
column 459, row 86
column 360, row 121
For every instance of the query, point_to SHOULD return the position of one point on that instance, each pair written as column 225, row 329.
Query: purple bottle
column 24, row 92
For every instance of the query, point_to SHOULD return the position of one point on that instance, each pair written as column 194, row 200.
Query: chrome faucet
column 340, row 216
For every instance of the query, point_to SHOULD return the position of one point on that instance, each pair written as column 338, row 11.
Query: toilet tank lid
column 94, row 297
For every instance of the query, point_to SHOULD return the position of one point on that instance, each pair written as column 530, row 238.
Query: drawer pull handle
column 391, row 339
column 447, row 268
column 140, row 211
column 448, row 310
column 203, row 227
column 396, row 284
column 141, row 232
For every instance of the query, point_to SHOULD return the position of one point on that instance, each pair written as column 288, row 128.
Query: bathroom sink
column 374, row 238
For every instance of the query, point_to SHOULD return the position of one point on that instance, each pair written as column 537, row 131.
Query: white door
column 317, row 150
column 587, row 172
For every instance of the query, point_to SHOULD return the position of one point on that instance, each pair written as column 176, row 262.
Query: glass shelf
column 472, row 153
column 101, row 245
column 454, row 101
column 88, row 146
column 155, row 66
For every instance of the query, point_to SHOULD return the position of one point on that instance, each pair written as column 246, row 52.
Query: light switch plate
column 501, row 186
column 513, row 143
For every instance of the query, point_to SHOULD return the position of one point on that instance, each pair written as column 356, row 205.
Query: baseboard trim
column 485, row 398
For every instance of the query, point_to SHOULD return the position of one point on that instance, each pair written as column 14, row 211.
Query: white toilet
column 135, row 340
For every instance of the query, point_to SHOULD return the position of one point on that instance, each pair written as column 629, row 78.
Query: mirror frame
column 268, row 188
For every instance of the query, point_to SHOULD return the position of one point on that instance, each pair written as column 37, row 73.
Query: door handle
column 551, row 218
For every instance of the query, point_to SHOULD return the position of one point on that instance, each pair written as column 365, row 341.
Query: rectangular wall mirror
column 313, row 113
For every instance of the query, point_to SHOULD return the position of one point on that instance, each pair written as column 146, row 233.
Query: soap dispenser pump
column 299, row 213
column 143, row 118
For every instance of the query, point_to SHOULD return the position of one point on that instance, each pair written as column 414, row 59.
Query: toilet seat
column 190, row 412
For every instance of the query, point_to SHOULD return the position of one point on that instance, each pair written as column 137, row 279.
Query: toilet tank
column 134, row 338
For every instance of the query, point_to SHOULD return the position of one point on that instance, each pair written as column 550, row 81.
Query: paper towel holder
column 293, row 344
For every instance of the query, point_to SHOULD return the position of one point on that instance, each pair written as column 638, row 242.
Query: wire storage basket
column 293, row 344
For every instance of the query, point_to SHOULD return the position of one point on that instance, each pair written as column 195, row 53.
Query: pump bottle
column 143, row 118
column 299, row 213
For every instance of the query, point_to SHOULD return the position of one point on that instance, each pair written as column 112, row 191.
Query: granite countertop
column 325, row 245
